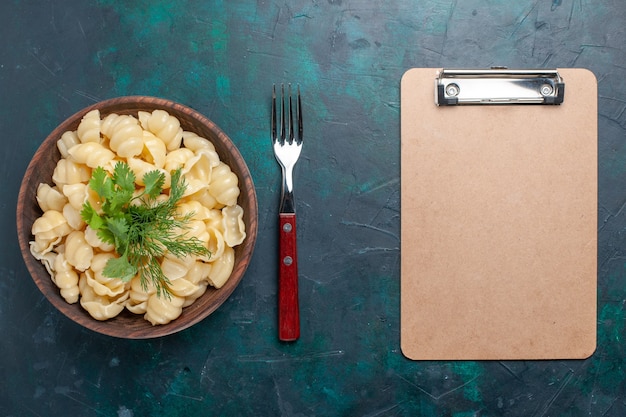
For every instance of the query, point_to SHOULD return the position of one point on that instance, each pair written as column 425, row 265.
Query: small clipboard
column 498, row 214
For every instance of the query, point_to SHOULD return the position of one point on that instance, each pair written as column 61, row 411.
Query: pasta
column 89, row 128
column 76, row 194
column 74, row 254
column 175, row 268
column 182, row 287
column 161, row 310
column 197, row 171
column 98, row 306
column 165, row 127
column 138, row 297
column 124, row 133
column 222, row 268
column 50, row 198
column 77, row 251
column 216, row 243
column 203, row 196
column 224, row 185
column 177, row 158
column 69, row 172
column 72, row 215
column 195, row 143
column 154, row 150
column 66, row 278
column 197, row 274
column 68, row 139
column 91, row 154
column 48, row 230
column 110, row 287
column 234, row 228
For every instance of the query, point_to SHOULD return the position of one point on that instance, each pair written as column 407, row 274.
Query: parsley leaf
column 119, row 229
column 154, row 181
column 120, row 268
column 101, row 183
column 91, row 216
column 124, row 178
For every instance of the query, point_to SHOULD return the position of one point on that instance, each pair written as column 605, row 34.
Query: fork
column 287, row 144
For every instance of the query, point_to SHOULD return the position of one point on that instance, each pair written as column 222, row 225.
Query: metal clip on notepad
column 498, row 86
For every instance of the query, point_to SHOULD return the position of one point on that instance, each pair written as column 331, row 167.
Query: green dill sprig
column 141, row 227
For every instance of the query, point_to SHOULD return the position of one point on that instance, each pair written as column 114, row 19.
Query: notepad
column 498, row 219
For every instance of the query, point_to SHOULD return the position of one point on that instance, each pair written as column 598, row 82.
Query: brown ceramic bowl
column 128, row 325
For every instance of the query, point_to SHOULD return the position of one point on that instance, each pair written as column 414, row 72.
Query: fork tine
column 290, row 122
column 273, row 120
column 299, row 115
column 282, row 114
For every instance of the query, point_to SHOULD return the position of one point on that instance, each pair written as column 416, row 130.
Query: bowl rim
column 34, row 266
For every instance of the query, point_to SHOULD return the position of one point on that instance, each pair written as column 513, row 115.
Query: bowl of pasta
column 137, row 217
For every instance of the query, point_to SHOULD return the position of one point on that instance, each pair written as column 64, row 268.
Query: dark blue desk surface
column 221, row 57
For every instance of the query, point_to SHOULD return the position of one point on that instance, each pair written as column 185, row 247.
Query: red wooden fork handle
column 288, row 308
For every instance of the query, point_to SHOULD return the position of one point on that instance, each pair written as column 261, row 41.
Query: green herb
column 142, row 228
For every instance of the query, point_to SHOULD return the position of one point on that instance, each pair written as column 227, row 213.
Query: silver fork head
column 287, row 142
column 287, row 133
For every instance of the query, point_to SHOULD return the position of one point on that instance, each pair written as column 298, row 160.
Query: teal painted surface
column 221, row 58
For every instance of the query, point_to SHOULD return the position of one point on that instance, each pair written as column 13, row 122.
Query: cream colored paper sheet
column 498, row 225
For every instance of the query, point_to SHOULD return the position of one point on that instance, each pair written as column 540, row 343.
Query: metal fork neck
column 287, row 204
